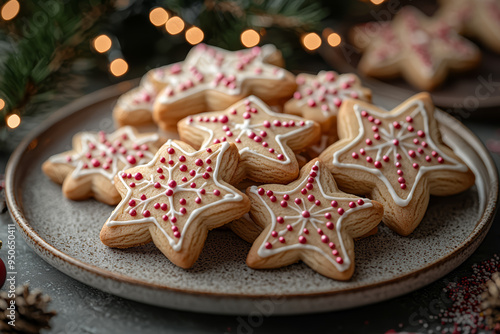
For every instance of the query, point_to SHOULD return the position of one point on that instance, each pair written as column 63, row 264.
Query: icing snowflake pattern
column 309, row 213
column 253, row 127
column 208, row 67
column 107, row 154
column 326, row 91
column 197, row 182
column 387, row 143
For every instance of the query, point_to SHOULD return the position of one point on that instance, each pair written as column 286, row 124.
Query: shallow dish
column 66, row 235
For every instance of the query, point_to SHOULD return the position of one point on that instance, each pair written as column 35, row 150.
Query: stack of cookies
column 301, row 184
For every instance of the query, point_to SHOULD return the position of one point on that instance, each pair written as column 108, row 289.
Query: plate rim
column 13, row 202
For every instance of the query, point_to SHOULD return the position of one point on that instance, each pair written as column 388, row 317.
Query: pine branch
column 30, row 66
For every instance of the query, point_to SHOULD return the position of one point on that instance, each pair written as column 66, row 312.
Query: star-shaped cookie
column 175, row 200
column 310, row 220
column 266, row 140
column 477, row 18
column 421, row 49
column 211, row 78
column 136, row 106
column 318, row 97
column 397, row 158
column 89, row 168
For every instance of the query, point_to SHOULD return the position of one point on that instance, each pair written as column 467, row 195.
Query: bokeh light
column 13, row 121
column 118, row 67
column 250, row 38
column 158, row 16
column 311, row 41
column 194, row 35
column 174, row 25
column 334, row 39
column 102, row 43
column 10, row 10
column 2, row 104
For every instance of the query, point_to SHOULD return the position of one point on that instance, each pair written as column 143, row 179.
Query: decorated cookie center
column 107, row 154
column 175, row 182
column 208, row 67
column 251, row 128
column 326, row 91
column 308, row 218
column 397, row 149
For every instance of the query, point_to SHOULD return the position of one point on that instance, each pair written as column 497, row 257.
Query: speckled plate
column 66, row 235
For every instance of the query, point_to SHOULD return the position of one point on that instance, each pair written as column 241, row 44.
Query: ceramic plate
column 66, row 235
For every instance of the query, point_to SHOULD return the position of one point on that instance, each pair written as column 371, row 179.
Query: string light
column 311, row 41
column 250, row 38
column 194, row 35
column 334, row 39
column 377, row 2
column 158, row 16
column 118, row 67
column 174, row 25
column 102, row 43
column 2, row 104
column 10, row 10
column 13, row 121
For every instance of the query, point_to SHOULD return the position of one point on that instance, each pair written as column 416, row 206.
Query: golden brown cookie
column 318, row 97
column 475, row 18
column 212, row 79
column 136, row 106
column 175, row 199
column 266, row 140
column 421, row 49
column 310, row 220
column 88, row 170
column 396, row 158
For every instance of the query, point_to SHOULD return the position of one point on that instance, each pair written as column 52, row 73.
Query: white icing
column 176, row 244
column 328, row 90
column 209, row 61
column 403, row 146
column 136, row 99
column 428, row 36
column 91, row 138
column 247, row 125
column 316, row 219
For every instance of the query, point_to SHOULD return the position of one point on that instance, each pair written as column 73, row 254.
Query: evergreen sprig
column 39, row 45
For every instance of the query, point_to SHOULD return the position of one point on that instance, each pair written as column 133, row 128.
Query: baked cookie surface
column 88, row 170
column 397, row 158
column 310, row 220
column 266, row 140
column 175, row 199
column 212, row 79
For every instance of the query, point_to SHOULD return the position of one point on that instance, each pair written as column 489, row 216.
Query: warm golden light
column 13, row 121
column 334, row 39
column 311, row 41
column 158, row 16
column 2, row 104
column 10, row 10
column 250, row 38
column 102, row 43
column 174, row 25
column 194, row 35
column 118, row 67
column 377, row 2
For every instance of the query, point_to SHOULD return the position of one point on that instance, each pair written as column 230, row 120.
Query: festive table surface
column 445, row 305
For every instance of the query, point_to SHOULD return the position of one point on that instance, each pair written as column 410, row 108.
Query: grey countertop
column 83, row 309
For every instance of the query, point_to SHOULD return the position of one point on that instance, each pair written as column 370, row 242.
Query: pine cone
column 491, row 302
column 30, row 312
